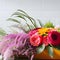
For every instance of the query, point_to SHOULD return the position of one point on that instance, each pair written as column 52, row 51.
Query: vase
column 45, row 55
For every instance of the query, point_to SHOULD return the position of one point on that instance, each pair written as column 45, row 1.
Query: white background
column 44, row 10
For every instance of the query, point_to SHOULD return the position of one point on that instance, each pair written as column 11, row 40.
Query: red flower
column 45, row 41
column 35, row 39
column 54, row 38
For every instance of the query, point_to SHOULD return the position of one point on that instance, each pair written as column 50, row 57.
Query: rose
column 35, row 39
column 45, row 41
column 53, row 38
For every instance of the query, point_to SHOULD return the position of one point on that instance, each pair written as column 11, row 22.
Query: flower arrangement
column 35, row 38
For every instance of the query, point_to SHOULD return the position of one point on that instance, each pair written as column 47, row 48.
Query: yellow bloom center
column 43, row 31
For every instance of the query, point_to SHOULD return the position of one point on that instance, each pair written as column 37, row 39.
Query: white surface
column 44, row 10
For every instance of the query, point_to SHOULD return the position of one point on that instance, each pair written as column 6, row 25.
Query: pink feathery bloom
column 12, row 39
column 16, row 44
column 6, row 41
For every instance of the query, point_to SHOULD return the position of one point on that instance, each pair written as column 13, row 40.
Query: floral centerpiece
column 37, row 40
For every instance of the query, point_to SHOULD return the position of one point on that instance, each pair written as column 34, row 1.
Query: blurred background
column 45, row 10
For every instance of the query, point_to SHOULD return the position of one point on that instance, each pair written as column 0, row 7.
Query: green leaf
column 40, row 49
column 25, row 21
column 33, row 21
column 57, row 47
column 49, row 25
column 20, row 27
column 40, row 23
column 50, row 51
column 19, row 14
column 2, row 32
column 21, row 17
column 14, row 20
column 22, row 12
column 24, row 16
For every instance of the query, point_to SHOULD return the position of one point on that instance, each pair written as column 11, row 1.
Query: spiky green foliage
column 30, row 22
column 49, row 25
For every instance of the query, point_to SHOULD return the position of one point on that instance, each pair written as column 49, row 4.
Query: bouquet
column 35, row 38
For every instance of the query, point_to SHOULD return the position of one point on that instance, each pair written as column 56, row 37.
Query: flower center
column 54, row 36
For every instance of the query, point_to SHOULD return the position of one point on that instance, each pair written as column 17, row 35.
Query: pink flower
column 54, row 38
column 45, row 41
column 33, row 31
column 35, row 39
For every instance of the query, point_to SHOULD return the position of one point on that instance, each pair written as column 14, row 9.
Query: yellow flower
column 43, row 31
